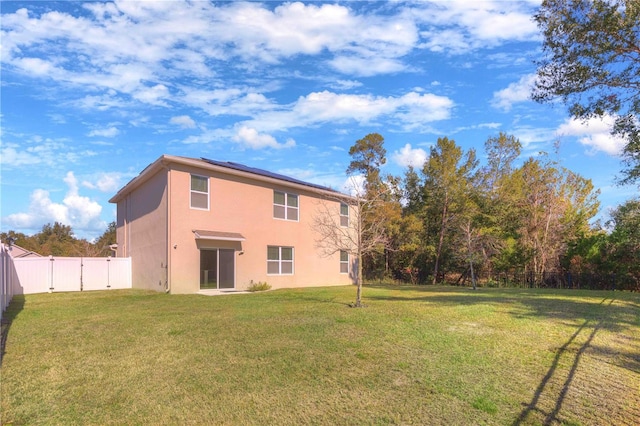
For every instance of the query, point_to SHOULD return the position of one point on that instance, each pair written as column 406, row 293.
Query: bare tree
column 364, row 233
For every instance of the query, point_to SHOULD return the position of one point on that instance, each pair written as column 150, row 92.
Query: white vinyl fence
column 7, row 277
column 30, row 275
column 54, row 274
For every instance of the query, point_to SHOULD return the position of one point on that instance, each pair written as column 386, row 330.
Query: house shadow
column 9, row 315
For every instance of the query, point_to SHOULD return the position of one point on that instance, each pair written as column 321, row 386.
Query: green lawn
column 414, row 355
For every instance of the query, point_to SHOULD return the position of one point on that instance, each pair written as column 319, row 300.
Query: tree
column 499, row 193
column 368, row 155
column 554, row 206
column 447, row 173
column 59, row 240
column 364, row 235
column 106, row 239
column 592, row 63
column 625, row 239
column 382, row 199
column 372, row 207
column 56, row 240
column 501, row 151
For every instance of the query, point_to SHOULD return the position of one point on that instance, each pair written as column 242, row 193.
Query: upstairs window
column 344, row 262
column 285, row 206
column 344, row 214
column 199, row 192
column 279, row 260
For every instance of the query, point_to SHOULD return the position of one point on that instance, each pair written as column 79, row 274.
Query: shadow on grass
column 552, row 416
column 574, row 305
column 14, row 308
column 301, row 294
column 588, row 311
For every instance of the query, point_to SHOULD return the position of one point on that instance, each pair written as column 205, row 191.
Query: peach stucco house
column 191, row 225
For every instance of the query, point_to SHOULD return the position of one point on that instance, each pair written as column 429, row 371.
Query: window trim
column 192, row 191
column 286, row 206
column 281, row 261
column 344, row 262
column 344, row 215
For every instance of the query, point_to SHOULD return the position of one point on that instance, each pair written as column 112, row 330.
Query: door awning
column 217, row 235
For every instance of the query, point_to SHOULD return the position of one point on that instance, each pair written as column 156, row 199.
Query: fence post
column 108, row 278
column 81, row 273
column 51, row 259
column 613, row 277
column 3, row 284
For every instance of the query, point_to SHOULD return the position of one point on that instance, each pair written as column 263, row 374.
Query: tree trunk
column 358, row 303
column 470, row 252
column 441, row 239
column 359, row 278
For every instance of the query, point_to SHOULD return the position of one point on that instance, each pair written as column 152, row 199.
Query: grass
column 414, row 355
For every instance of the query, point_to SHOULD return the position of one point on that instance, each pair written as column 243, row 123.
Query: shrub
column 259, row 286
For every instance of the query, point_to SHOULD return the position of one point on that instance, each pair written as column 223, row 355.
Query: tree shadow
column 523, row 303
column 301, row 294
column 552, row 416
column 10, row 314
column 588, row 311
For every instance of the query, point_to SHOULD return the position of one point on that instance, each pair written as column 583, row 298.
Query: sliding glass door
column 217, row 269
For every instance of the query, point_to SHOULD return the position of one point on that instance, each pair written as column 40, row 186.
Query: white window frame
column 344, row 262
column 195, row 191
column 286, row 206
column 344, row 216
column 280, row 261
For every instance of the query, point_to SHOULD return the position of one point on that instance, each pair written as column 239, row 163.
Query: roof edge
column 165, row 160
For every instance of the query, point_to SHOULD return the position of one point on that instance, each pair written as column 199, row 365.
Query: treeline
column 453, row 220
column 59, row 240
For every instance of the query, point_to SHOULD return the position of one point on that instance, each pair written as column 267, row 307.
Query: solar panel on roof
column 261, row 172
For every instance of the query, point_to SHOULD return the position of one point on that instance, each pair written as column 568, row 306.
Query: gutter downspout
column 168, row 246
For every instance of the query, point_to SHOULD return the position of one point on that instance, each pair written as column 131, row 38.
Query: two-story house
column 192, row 224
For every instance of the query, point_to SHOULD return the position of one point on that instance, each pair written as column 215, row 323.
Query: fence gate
column 56, row 274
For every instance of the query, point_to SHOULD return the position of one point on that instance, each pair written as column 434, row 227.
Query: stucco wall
column 142, row 232
column 245, row 206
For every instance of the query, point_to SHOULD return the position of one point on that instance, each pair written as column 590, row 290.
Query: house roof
column 19, row 252
column 226, row 167
column 265, row 173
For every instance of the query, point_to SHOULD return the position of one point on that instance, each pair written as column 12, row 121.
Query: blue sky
column 93, row 92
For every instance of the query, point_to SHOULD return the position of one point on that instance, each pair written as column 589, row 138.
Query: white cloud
column 411, row 112
column 34, row 150
column 478, row 126
column 345, row 84
column 410, row 109
column 183, row 121
column 105, row 182
column 366, row 66
column 155, row 95
column 12, row 156
column 407, row 156
column 519, row 91
column 109, row 132
column 162, row 53
column 136, row 49
column 251, row 138
column 79, row 212
column 460, row 26
column 594, row 133
column 354, row 185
